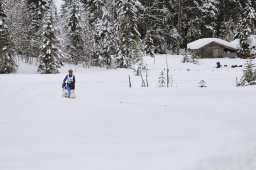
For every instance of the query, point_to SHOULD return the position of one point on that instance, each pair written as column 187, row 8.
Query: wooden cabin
column 213, row 48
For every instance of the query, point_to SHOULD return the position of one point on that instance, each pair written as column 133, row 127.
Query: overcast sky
column 58, row 3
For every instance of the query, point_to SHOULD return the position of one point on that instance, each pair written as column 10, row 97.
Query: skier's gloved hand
column 63, row 85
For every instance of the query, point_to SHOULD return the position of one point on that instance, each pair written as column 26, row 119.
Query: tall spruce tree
column 33, row 21
column 99, row 22
column 111, row 34
column 130, row 38
column 247, row 28
column 112, row 30
column 15, row 12
column 154, row 24
column 107, row 41
column 74, row 44
column 104, row 25
column 186, row 20
column 7, row 61
column 209, row 13
column 228, row 15
column 50, row 56
column 149, row 45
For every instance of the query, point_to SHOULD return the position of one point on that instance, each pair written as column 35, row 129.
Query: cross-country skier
column 69, row 82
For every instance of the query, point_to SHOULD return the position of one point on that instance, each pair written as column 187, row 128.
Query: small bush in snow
column 186, row 58
column 137, row 68
column 195, row 58
column 202, row 84
column 161, row 79
column 249, row 74
column 141, row 70
column 190, row 58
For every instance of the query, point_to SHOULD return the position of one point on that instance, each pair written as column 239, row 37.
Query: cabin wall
column 214, row 50
column 230, row 55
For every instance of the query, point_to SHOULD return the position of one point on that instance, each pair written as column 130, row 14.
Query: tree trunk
column 130, row 84
column 179, row 25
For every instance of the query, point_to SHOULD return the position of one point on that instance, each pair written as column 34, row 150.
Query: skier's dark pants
column 71, row 85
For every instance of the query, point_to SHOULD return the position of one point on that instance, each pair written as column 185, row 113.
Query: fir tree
column 227, row 18
column 130, row 37
column 38, row 9
column 50, row 57
column 247, row 29
column 74, row 33
column 186, row 58
column 33, row 22
column 149, row 45
column 249, row 74
column 7, row 62
column 107, row 39
column 174, row 39
column 186, row 20
column 209, row 13
column 100, row 22
column 115, row 31
column 161, row 79
column 202, row 84
column 154, row 23
column 95, row 10
column 15, row 11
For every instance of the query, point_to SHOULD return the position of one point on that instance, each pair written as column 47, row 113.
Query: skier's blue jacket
column 70, row 80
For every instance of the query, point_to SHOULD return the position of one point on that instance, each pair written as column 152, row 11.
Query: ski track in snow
column 112, row 127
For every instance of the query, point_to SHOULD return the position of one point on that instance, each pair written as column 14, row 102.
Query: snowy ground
column 112, row 127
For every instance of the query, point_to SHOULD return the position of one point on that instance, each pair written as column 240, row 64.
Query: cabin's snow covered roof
column 205, row 41
column 252, row 41
column 236, row 43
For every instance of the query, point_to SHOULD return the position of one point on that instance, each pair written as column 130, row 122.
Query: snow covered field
column 112, row 127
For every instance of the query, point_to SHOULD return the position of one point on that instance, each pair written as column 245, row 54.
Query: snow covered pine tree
column 33, row 23
column 7, row 62
column 130, row 38
column 249, row 74
column 50, row 57
column 247, row 29
column 74, row 45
